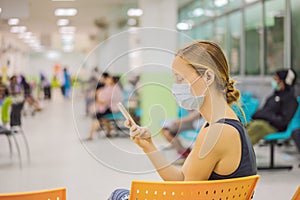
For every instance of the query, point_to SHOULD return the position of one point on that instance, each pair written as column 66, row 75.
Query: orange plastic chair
column 297, row 194
column 235, row 188
column 51, row 194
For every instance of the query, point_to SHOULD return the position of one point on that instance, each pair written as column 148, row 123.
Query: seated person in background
column 278, row 110
column 14, row 87
column 92, row 86
column 28, row 95
column 107, row 98
column 171, row 128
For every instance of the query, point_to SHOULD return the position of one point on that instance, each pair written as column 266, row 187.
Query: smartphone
column 125, row 113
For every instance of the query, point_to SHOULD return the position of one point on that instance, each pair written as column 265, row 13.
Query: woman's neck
column 214, row 107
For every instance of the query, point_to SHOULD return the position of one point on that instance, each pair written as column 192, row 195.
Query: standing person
column 278, row 109
column 67, row 83
column 45, row 86
column 202, row 83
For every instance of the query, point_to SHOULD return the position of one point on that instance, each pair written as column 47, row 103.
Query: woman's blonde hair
column 203, row 55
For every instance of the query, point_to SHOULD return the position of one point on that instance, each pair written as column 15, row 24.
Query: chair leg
column 27, row 145
column 10, row 146
column 18, row 150
column 272, row 154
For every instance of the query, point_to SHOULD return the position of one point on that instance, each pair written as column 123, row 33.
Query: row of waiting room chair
column 237, row 188
column 285, row 135
column 229, row 189
column 11, row 112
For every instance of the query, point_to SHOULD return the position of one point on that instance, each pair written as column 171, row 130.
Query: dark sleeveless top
column 247, row 166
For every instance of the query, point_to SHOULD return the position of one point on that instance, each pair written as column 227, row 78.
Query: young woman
column 222, row 149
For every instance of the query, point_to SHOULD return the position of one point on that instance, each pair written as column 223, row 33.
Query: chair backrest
column 295, row 121
column 181, row 112
column 235, row 188
column 15, row 114
column 51, row 194
column 297, row 194
column 249, row 104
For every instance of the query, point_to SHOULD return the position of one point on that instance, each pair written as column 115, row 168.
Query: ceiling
column 41, row 21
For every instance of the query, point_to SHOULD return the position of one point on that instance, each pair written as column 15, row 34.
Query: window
column 295, row 5
column 250, row 1
column 234, row 56
column 195, row 11
column 253, row 38
column 220, row 35
column 274, row 22
column 235, row 3
column 204, row 32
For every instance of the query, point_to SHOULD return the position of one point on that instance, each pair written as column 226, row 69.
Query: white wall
column 14, row 55
column 45, row 62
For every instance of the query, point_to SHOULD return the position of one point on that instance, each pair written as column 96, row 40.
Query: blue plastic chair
column 249, row 105
column 189, row 135
column 181, row 112
column 274, row 137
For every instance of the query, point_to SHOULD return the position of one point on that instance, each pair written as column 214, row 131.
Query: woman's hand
column 141, row 136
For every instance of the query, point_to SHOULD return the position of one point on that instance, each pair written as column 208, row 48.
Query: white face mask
column 184, row 97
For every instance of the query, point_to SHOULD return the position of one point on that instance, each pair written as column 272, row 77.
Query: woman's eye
column 179, row 79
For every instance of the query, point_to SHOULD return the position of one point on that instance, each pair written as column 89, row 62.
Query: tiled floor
column 91, row 170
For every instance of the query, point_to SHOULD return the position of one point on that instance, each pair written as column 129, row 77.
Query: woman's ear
column 209, row 77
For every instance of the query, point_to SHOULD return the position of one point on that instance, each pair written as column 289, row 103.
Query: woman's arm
column 165, row 169
column 142, row 137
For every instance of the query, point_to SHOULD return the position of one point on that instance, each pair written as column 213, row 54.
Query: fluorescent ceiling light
column 67, row 30
column 13, row 21
column 209, row 13
column 18, row 29
column 183, row 26
column 65, row 12
column 221, row 3
column 62, row 22
column 53, row 55
column 134, row 12
column 67, row 38
column 68, row 48
column 26, row 35
column 198, row 12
